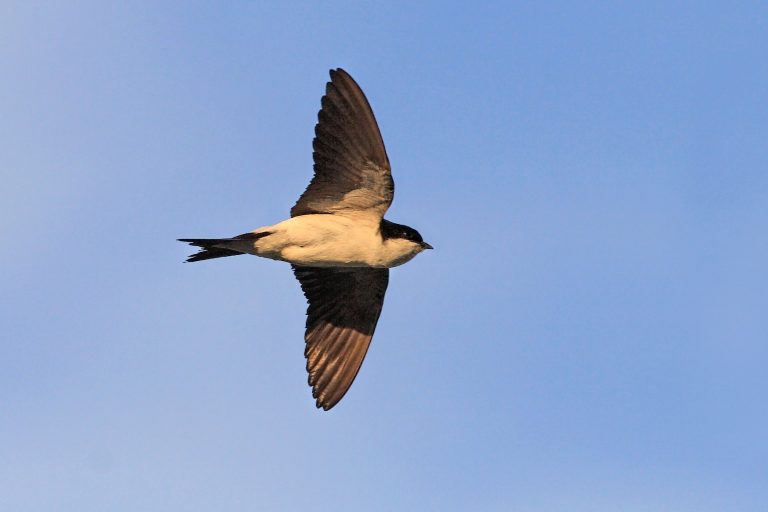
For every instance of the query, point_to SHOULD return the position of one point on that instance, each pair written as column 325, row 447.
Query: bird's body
column 324, row 240
column 337, row 240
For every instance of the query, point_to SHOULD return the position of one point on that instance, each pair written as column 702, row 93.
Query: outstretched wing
column 344, row 307
column 352, row 171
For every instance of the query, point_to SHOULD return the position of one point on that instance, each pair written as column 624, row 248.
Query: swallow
column 337, row 240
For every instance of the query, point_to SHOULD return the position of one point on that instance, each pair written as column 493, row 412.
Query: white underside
column 330, row 241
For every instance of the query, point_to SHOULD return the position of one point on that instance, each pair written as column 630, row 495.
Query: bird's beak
column 425, row 245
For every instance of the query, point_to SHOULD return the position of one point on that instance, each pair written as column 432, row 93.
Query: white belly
column 325, row 241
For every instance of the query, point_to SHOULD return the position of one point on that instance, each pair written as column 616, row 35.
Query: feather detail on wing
column 344, row 307
column 352, row 171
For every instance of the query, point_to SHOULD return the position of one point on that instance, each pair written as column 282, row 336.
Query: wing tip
column 321, row 401
column 340, row 74
column 325, row 405
column 337, row 71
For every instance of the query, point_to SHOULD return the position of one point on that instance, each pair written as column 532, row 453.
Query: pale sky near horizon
column 589, row 334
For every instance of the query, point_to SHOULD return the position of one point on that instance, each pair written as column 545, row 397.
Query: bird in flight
column 337, row 240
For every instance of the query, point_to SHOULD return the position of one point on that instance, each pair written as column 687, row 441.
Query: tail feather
column 210, row 247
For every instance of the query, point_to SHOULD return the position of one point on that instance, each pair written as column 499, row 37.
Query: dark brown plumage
column 210, row 248
column 352, row 170
column 344, row 307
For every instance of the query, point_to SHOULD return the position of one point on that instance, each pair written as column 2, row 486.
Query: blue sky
column 590, row 333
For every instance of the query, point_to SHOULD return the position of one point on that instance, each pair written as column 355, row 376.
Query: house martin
column 337, row 240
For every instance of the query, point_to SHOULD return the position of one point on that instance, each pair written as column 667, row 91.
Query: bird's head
column 404, row 239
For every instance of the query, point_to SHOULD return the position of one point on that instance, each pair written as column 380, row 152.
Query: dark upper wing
column 352, row 170
column 344, row 306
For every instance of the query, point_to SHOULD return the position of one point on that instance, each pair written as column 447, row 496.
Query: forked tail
column 212, row 247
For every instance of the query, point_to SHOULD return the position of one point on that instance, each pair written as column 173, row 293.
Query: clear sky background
column 590, row 333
